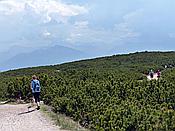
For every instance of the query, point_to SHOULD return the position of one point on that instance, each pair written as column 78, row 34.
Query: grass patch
column 61, row 120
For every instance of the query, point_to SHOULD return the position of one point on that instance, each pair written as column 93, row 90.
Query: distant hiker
column 35, row 86
column 151, row 74
column 19, row 94
column 158, row 74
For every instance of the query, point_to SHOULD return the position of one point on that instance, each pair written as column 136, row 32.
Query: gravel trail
column 19, row 118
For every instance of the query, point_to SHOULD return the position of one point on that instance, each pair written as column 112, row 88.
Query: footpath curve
column 18, row 118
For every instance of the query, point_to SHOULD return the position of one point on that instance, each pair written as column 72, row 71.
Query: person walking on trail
column 36, row 88
column 158, row 74
column 151, row 74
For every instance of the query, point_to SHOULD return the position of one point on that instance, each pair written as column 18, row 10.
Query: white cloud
column 8, row 7
column 46, row 33
column 35, row 20
column 120, row 33
column 45, row 9
column 133, row 16
column 82, row 35
column 81, row 24
column 123, row 31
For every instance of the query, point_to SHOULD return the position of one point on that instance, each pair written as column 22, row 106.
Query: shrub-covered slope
column 109, row 93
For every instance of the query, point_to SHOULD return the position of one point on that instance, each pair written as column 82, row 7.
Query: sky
column 106, row 26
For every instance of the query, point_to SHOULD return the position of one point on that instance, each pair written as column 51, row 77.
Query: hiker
column 151, row 74
column 18, row 96
column 35, row 87
column 158, row 74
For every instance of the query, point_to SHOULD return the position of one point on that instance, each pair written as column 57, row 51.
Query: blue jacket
column 35, row 86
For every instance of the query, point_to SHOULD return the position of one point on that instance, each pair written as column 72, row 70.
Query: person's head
column 34, row 77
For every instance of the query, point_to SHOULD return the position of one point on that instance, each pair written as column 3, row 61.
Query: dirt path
column 18, row 118
column 154, row 77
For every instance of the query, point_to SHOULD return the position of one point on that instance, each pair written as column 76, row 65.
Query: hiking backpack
column 36, row 87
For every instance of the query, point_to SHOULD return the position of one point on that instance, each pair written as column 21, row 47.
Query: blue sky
column 106, row 26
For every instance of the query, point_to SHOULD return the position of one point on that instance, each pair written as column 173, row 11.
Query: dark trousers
column 36, row 96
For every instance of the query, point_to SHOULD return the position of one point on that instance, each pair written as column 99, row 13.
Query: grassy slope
column 136, row 63
column 141, row 62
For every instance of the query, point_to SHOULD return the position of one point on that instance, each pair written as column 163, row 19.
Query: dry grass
column 61, row 120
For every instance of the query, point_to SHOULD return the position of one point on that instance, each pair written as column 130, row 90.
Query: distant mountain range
column 27, row 57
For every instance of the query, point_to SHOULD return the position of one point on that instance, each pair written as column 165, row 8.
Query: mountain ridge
column 43, row 56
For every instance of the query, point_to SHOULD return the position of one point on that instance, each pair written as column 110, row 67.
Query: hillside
column 140, row 62
column 108, row 93
column 137, row 61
